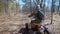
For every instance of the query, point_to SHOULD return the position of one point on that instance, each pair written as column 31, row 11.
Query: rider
column 39, row 16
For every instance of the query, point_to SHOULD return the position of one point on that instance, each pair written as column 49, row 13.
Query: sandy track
column 10, row 24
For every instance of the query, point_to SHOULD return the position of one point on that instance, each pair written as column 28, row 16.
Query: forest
column 14, row 14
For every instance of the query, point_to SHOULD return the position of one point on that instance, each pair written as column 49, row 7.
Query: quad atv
column 37, row 29
column 36, row 25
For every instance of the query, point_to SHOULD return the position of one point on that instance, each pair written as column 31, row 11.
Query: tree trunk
column 52, row 10
column 59, row 7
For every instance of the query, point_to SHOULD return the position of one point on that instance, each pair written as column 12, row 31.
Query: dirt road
column 12, row 24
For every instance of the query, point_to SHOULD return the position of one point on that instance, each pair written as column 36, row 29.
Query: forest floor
column 12, row 24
